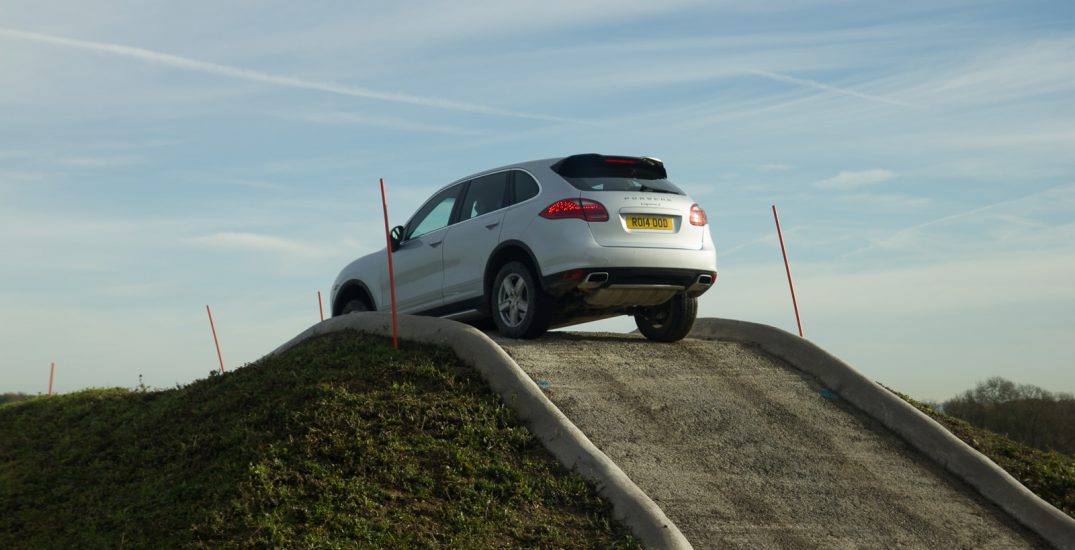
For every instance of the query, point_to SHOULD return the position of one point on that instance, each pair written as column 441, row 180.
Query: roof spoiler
column 593, row 165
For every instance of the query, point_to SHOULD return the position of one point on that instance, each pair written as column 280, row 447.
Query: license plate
column 659, row 223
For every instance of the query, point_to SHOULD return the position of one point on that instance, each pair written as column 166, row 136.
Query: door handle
column 492, row 225
column 436, row 244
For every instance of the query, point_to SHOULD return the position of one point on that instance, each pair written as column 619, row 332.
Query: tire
column 520, row 308
column 355, row 305
column 670, row 321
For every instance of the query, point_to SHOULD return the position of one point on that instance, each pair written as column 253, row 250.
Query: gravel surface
column 740, row 450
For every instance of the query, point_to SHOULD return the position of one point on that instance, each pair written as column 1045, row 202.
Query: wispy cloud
column 20, row 177
column 1006, row 72
column 392, row 123
column 774, row 167
column 98, row 162
column 825, row 87
column 260, row 243
column 768, row 239
column 1036, row 137
column 15, row 154
column 1060, row 197
column 77, row 160
column 251, row 183
column 888, row 200
column 268, row 78
column 850, row 179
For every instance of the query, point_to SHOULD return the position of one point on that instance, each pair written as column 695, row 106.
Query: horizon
column 156, row 158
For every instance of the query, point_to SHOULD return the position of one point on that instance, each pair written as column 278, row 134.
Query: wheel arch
column 505, row 252
column 349, row 291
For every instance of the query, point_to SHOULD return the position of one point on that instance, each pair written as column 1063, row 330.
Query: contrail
column 958, row 215
column 267, row 78
column 825, row 87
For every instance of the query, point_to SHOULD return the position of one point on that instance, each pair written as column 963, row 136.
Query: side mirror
column 395, row 237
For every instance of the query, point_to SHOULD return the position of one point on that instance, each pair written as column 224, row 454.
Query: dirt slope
column 741, row 450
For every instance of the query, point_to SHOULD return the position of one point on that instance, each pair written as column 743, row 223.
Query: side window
column 525, row 186
column 485, row 195
column 434, row 215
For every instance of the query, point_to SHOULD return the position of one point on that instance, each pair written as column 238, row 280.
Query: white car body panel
column 419, row 271
column 622, row 204
column 466, row 249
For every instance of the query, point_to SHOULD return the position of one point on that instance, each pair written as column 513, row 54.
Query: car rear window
column 605, row 173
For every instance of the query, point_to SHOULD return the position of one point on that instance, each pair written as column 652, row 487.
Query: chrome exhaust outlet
column 701, row 284
column 593, row 280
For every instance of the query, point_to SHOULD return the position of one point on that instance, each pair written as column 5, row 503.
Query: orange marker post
column 215, row 340
column 320, row 306
column 391, row 273
column 787, row 268
column 52, row 372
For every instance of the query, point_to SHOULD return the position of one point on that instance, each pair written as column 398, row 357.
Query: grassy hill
column 341, row 442
column 1049, row 474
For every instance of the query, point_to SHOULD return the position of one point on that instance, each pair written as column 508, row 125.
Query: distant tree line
column 1025, row 413
column 13, row 397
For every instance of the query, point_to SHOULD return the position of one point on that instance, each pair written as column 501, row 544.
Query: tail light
column 698, row 215
column 583, row 209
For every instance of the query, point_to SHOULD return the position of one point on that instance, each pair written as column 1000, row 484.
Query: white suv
column 544, row 244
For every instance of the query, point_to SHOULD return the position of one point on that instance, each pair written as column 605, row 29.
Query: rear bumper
column 564, row 245
column 614, row 286
column 566, row 253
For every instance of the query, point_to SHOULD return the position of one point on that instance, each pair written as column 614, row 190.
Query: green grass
column 1049, row 474
column 342, row 442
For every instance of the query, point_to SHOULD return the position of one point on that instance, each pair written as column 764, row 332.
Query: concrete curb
column 555, row 431
column 916, row 428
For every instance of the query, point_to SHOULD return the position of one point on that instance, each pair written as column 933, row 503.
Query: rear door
column 471, row 240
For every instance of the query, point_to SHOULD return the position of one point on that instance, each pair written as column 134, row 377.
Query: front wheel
column 520, row 308
column 670, row 321
column 354, row 306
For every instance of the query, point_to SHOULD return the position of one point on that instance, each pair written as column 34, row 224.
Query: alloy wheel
column 513, row 300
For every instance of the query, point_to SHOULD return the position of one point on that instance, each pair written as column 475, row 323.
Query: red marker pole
column 52, row 372
column 391, row 273
column 788, row 269
column 215, row 340
column 320, row 306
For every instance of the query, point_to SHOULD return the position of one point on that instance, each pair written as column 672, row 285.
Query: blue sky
column 156, row 157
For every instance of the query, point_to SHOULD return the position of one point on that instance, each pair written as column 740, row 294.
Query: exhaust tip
column 597, row 277
column 594, row 280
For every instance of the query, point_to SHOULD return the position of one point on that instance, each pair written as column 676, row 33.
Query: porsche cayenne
column 544, row 244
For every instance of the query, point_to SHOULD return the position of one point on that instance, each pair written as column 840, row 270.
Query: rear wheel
column 670, row 321
column 354, row 306
column 520, row 308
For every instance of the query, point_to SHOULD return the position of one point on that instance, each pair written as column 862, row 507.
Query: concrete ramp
column 741, row 450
